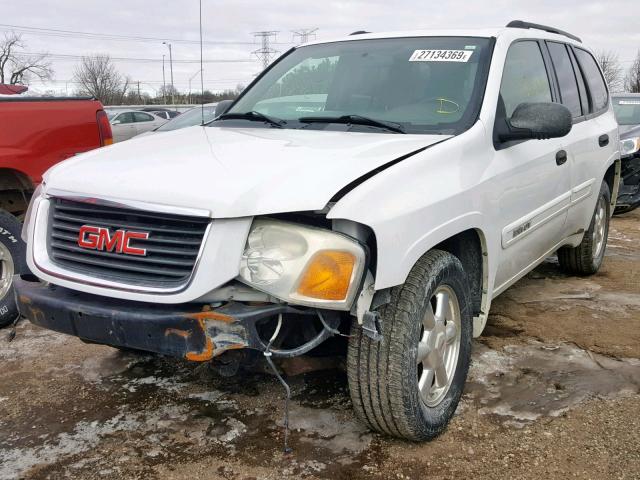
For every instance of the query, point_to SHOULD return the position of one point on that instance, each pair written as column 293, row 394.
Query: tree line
column 97, row 76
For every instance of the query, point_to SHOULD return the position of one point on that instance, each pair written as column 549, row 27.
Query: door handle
column 603, row 140
column 561, row 157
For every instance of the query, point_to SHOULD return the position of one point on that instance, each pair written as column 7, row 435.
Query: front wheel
column 586, row 258
column 409, row 383
column 12, row 261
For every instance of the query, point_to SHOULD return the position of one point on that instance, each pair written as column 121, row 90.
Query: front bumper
column 192, row 331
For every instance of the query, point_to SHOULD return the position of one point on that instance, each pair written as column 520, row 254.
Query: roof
column 509, row 32
column 12, row 89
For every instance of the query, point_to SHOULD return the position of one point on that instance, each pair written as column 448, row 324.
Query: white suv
column 385, row 186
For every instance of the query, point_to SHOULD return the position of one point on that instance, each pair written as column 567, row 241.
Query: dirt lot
column 554, row 393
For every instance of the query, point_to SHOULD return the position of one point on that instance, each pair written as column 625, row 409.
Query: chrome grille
column 172, row 246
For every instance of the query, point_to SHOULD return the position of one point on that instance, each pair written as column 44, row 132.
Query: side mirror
column 538, row 121
column 222, row 107
column 116, row 122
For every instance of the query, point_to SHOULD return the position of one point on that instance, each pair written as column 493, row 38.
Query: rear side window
column 595, row 82
column 569, row 94
column 525, row 77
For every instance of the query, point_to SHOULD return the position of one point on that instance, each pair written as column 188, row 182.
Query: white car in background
column 200, row 115
column 129, row 123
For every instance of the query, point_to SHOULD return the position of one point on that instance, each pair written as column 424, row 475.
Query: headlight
column 302, row 265
column 629, row 146
column 24, row 234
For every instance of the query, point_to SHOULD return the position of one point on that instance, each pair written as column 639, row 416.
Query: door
column 145, row 122
column 594, row 141
column 533, row 191
column 123, row 127
column 579, row 143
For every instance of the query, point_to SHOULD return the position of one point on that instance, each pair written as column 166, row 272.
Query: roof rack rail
column 359, row 32
column 537, row 26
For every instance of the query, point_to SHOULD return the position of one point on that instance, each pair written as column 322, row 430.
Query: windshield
column 111, row 114
column 189, row 118
column 424, row 85
column 627, row 110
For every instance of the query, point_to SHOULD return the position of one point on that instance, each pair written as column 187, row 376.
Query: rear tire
column 408, row 384
column 586, row 258
column 12, row 261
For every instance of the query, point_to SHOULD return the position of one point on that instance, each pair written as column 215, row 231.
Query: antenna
column 304, row 34
column 265, row 54
column 201, row 69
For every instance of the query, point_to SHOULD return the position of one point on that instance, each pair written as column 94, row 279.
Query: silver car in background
column 129, row 123
column 195, row 116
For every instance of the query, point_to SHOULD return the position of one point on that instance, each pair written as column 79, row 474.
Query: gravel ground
column 554, row 392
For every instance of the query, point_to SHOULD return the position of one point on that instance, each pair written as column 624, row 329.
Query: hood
column 233, row 172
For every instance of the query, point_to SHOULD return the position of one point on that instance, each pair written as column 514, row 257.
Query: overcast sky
column 228, row 27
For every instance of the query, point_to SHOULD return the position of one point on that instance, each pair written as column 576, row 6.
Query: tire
column 384, row 376
column 12, row 261
column 586, row 258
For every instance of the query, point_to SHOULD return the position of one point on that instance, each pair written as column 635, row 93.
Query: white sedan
column 129, row 123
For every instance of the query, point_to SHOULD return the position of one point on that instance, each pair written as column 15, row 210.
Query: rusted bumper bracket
column 192, row 331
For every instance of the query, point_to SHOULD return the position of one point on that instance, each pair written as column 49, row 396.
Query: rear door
column 535, row 188
column 579, row 143
column 593, row 140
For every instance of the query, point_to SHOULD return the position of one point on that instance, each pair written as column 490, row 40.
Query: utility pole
column 139, row 97
column 164, row 84
column 171, row 70
column 265, row 54
column 190, row 79
column 304, row 34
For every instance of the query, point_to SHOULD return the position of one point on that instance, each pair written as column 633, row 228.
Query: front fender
column 420, row 202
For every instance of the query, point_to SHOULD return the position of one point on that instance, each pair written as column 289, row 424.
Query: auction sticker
column 441, row 56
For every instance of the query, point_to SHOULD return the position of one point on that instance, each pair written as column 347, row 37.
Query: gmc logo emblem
column 99, row 238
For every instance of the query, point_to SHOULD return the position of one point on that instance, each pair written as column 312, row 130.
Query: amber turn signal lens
column 328, row 275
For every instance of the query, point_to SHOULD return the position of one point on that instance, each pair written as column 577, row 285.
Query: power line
column 108, row 36
column 304, row 34
column 65, row 56
column 265, row 53
column 159, row 82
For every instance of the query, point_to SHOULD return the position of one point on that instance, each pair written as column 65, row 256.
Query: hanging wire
column 267, row 355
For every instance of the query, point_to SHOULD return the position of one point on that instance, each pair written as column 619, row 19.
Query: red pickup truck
column 35, row 134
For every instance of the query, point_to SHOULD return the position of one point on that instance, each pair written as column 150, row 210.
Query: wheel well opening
column 15, row 191
column 468, row 247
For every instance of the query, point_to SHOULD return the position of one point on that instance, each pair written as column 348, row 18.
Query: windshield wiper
column 253, row 116
column 355, row 120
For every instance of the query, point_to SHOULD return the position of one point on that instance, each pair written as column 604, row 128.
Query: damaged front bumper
column 195, row 332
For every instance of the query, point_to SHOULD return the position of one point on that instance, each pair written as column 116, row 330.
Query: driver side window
column 125, row 118
column 525, row 77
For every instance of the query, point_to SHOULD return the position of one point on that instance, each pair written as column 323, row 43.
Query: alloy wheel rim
column 439, row 346
column 599, row 228
column 6, row 270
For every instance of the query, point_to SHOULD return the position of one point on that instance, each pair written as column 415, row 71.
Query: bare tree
column 632, row 81
column 611, row 69
column 98, row 77
column 17, row 66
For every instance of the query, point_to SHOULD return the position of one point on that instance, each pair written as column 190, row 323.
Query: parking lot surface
column 554, row 392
